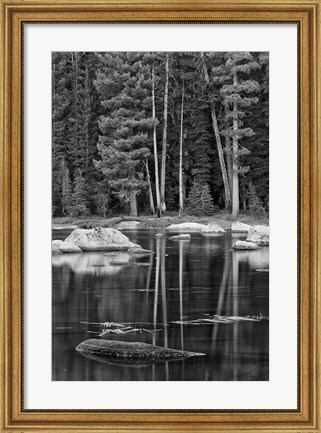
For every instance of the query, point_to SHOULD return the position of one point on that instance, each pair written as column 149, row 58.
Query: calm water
column 183, row 281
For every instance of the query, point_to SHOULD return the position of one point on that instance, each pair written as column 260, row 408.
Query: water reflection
column 182, row 281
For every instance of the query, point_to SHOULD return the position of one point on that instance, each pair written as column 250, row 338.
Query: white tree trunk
column 181, row 197
column 133, row 204
column 228, row 154
column 164, row 144
column 219, row 145
column 151, row 199
column 235, row 184
column 155, row 143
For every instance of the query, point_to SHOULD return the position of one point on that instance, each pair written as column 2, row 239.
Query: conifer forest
column 145, row 133
column 160, row 200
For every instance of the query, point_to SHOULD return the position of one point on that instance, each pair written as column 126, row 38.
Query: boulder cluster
column 257, row 236
column 96, row 239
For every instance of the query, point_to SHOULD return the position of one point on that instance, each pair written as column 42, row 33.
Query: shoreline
column 152, row 222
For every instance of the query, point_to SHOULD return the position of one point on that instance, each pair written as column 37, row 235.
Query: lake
column 196, row 295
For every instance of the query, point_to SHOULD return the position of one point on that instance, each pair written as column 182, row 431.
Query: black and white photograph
column 160, row 216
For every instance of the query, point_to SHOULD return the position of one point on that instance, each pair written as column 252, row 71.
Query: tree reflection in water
column 182, row 281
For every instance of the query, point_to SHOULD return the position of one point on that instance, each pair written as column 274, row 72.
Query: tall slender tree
column 123, row 147
column 239, row 94
column 164, row 141
column 158, row 201
column 217, row 137
column 181, row 197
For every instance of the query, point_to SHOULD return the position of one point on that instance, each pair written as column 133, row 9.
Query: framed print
column 159, row 217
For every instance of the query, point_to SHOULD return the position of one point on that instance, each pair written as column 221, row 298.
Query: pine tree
column 66, row 197
column 258, row 118
column 237, row 95
column 200, row 202
column 203, row 64
column 121, row 97
column 78, row 200
column 254, row 202
column 126, row 129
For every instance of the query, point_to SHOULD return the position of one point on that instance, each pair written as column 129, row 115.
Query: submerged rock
column 128, row 225
column 238, row 227
column 186, row 226
column 55, row 247
column 245, row 245
column 182, row 237
column 64, row 227
column 139, row 251
column 68, row 247
column 100, row 239
column 259, row 235
column 212, row 229
column 121, row 351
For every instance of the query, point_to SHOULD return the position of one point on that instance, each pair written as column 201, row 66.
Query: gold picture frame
column 14, row 13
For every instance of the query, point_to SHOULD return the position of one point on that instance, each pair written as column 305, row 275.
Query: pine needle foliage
column 255, row 203
column 200, row 202
column 79, row 202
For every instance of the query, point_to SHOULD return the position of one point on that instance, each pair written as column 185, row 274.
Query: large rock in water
column 55, row 247
column 182, row 237
column 100, row 239
column 120, row 351
column 68, row 247
column 139, row 251
column 212, row 229
column 238, row 227
column 244, row 245
column 128, row 225
column 260, row 235
column 186, row 227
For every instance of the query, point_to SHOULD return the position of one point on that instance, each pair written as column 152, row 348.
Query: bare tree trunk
column 221, row 158
column 219, row 145
column 228, row 154
column 155, row 145
column 235, row 196
column 151, row 199
column 181, row 197
column 133, row 204
column 164, row 144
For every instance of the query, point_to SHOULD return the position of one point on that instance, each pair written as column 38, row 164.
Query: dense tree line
column 149, row 132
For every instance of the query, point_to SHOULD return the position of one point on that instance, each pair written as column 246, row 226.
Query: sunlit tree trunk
column 218, row 144
column 155, row 144
column 181, row 197
column 228, row 155
column 133, row 204
column 164, row 144
column 150, row 192
column 235, row 183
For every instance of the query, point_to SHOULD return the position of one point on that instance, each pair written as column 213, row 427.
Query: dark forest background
column 144, row 133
